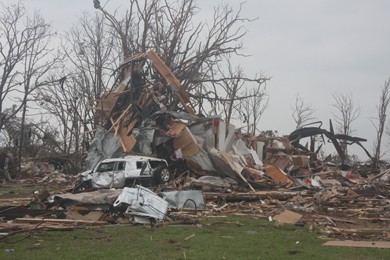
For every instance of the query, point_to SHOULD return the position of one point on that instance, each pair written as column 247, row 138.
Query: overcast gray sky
column 310, row 47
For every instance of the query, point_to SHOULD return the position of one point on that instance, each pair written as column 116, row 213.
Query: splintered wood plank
column 276, row 174
column 128, row 142
column 91, row 216
column 131, row 125
column 184, row 140
column 190, row 151
column 114, row 126
column 112, row 98
column 380, row 174
column 122, row 143
column 186, row 143
column 178, row 127
column 135, row 57
column 172, row 80
column 145, row 99
column 370, row 244
column 119, row 119
column 280, row 161
column 236, row 170
column 86, row 132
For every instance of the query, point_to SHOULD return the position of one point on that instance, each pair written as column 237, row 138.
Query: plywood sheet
column 190, row 151
column 91, row 216
column 183, row 140
column 132, row 124
column 288, row 217
column 128, row 142
column 371, row 244
column 276, row 174
column 280, row 161
column 178, row 127
column 186, row 143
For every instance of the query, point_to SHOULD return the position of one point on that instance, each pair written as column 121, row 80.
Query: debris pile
column 198, row 167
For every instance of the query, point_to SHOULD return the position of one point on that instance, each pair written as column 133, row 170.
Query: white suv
column 126, row 171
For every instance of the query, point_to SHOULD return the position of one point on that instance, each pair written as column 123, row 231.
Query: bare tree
column 38, row 62
column 67, row 106
column 302, row 113
column 231, row 89
column 91, row 61
column 26, row 59
column 347, row 113
column 194, row 52
column 84, row 77
column 252, row 108
column 227, row 93
column 17, row 36
column 384, row 100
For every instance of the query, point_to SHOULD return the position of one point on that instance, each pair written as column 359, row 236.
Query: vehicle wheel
column 162, row 175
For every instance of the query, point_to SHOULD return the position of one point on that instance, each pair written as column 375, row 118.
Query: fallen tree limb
column 226, row 222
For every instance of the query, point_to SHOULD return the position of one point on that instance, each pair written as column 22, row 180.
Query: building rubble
column 216, row 169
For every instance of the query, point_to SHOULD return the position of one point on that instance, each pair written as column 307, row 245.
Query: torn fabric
column 94, row 197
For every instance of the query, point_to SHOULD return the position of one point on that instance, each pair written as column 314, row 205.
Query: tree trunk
column 21, row 141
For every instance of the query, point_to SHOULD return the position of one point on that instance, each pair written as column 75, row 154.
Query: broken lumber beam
column 250, row 195
column 238, row 172
column 119, row 119
column 380, row 174
column 172, row 81
column 226, row 222
column 369, row 244
column 188, row 238
column 336, row 219
column 374, row 219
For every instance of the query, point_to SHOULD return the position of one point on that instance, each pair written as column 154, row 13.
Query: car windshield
column 155, row 164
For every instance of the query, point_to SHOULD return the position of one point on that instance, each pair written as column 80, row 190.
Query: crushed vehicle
column 124, row 172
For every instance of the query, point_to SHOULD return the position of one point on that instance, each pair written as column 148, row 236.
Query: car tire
column 162, row 175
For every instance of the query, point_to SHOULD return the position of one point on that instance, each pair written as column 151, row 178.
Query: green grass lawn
column 210, row 242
